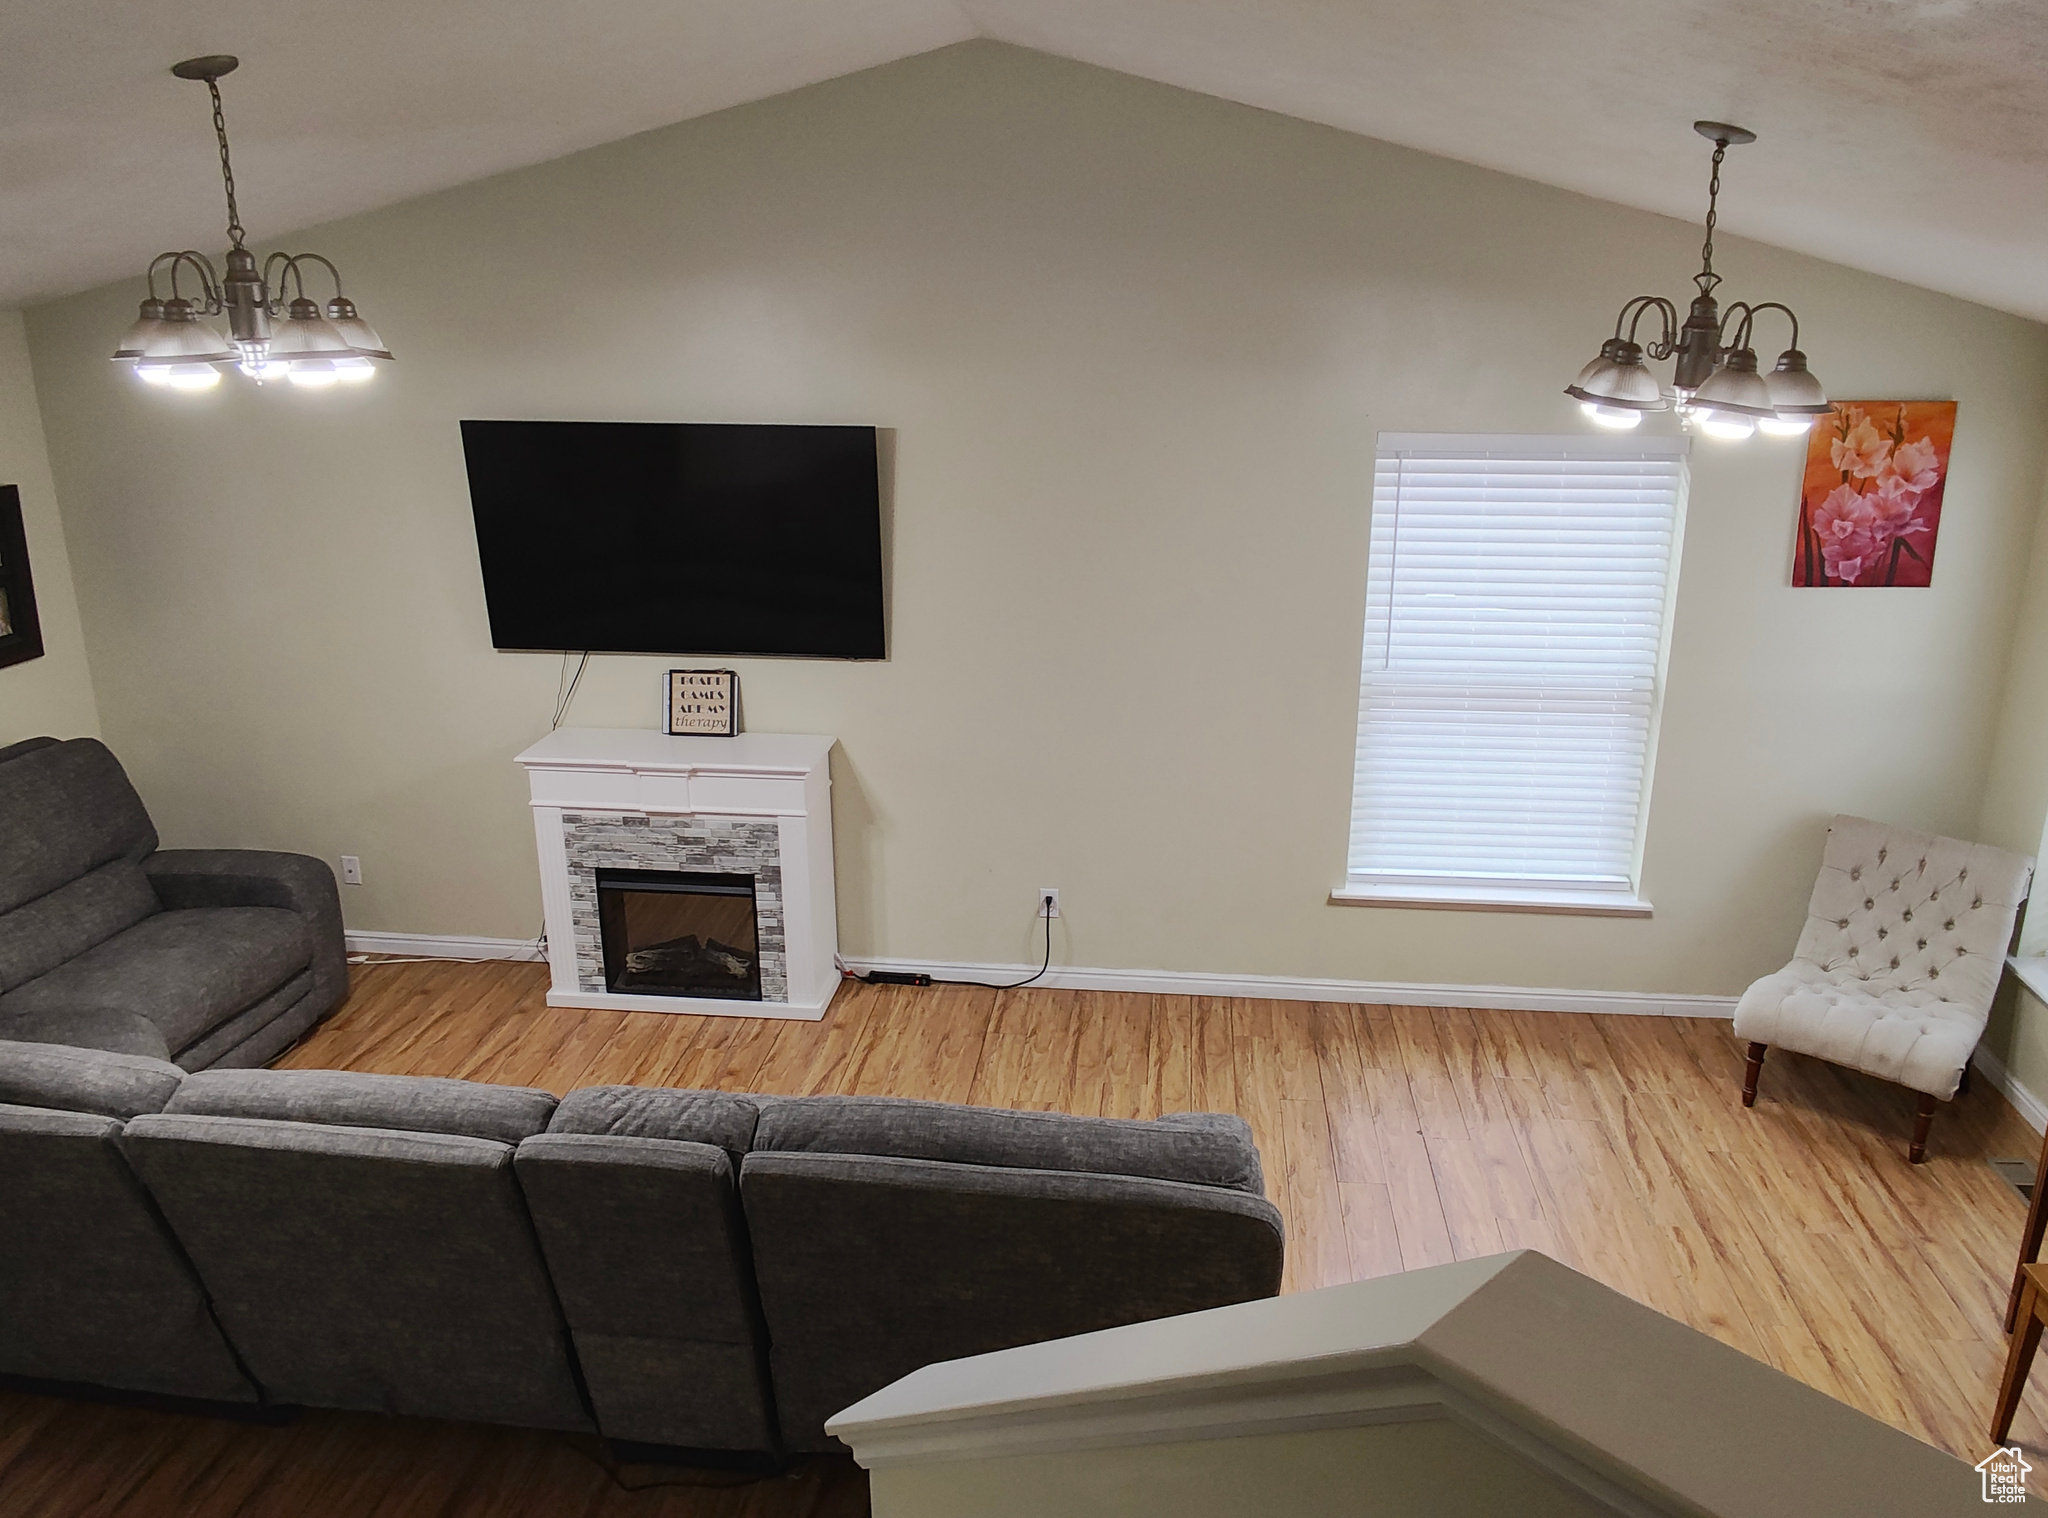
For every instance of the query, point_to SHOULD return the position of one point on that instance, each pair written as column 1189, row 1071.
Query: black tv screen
column 678, row 538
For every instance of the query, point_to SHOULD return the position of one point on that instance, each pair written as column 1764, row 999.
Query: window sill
column 1492, row 899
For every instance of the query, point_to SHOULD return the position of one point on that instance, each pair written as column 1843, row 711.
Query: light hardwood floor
column 1392, row 1137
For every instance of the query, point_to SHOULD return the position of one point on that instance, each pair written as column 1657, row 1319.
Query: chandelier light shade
column 172, row 333
column 1735, row 387
column 1715, row 382
column 275, row 329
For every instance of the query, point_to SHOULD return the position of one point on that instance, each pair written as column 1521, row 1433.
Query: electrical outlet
column 351, row 870
column 1049, row 901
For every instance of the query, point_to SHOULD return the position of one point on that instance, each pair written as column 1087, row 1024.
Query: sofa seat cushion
column 1202, row 1148
column 1898, row 1034
column 103, row 1028
column 353, row 1099
column 660, row 1112
column 246, row 1024
column 187, row 972
column 62, row 1079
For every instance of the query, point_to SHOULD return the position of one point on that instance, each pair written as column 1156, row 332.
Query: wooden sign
column 703, row 702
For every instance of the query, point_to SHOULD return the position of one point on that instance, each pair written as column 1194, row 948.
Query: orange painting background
column 1930, row 423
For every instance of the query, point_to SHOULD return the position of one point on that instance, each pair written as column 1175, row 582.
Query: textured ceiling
column 1906, row 137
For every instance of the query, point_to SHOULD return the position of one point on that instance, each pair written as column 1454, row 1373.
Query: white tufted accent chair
column 1905, row 939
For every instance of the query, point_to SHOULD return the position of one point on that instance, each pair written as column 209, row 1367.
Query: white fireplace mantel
column 770, row 794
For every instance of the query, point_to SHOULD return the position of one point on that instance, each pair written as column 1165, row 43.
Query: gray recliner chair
column 202, row 957
column 93, row 1287
column 889, row 1234
column 634, row 1194
column 364, row 1241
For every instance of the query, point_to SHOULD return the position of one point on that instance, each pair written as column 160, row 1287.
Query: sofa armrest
column 188, row 878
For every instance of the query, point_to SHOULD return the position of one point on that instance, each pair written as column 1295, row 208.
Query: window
column 1517, row 595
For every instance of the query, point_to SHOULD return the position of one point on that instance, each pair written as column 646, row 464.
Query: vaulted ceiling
column 1905, row 137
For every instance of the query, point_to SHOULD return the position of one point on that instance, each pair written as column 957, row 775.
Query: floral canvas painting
column 1870, row 502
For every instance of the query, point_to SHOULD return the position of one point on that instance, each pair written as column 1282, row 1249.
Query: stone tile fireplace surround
column 758, row 805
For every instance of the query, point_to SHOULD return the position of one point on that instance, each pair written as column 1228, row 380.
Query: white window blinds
column 1516, row 600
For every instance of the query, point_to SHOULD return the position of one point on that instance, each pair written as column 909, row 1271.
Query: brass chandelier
column 1715, row 382
column 275, row 329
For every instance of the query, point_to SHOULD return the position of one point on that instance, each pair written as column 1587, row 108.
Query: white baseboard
column 442, row 946
column 1297, row 988
column 1257, row 987
column 2024, row 1102
column 1391, row 993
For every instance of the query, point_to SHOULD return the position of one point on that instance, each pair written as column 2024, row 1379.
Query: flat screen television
column 678, row 538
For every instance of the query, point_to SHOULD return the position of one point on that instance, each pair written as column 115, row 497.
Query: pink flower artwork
column 1858, row 449
column 1870, row 501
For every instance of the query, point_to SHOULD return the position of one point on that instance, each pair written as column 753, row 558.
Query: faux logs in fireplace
column 679, row 933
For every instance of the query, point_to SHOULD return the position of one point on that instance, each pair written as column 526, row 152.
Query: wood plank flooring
column 1392, row 1137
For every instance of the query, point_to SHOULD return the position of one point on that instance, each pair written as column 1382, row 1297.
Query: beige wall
column 1134, row 345
column 1435, row 1469
column 52, row 694
column 2014, row 813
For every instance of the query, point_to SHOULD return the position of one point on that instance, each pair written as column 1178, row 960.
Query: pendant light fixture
column 275, row 329
column 1716, row 383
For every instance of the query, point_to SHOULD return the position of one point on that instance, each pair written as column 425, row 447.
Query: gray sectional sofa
column 698, row 1270
column 201, row 957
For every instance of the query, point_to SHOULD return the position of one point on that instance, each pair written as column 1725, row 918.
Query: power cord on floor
column 540, row 952
column 918, row 978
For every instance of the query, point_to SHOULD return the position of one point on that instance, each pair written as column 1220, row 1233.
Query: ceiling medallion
column 1715, row 382
column 275, row 330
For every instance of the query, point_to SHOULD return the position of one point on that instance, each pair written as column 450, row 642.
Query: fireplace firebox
column 679, row 933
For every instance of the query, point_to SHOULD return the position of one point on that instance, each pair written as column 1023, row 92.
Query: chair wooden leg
column 2030, row 1237
column 1922, row 1121
column 1963, row 1085
column 2018, row 1361
column 1756, row 1068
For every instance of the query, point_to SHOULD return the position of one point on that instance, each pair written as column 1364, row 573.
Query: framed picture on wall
column 21, row 635
column 1870, row 499
column 703, row 703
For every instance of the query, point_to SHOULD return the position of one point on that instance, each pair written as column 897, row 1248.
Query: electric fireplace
column 752, row 809
column 679, row 933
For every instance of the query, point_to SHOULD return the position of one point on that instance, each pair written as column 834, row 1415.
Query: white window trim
column 1463, row 894
column 1492, row 899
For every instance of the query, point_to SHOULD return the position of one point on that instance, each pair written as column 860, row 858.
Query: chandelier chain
column 227, row 168
column 1707, row 278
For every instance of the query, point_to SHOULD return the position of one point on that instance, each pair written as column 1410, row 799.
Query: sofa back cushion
column 1201, row 1148
column 352, row 1099
column 65, row 809
column 648, row 1254
column 64, row 1079
column 870, row 1265
column 81, row 914
column 660, row 1112
column 93, row 1288
column 367, row 1268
